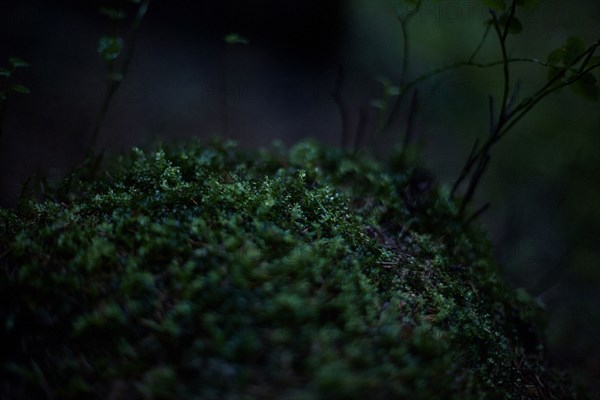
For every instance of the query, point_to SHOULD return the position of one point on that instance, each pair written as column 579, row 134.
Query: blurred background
column 186, row 81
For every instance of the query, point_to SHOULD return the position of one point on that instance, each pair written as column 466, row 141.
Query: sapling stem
column 512, row 116
column 404, row 23
column 114, row 82
column 411, row 121
column 481, row 42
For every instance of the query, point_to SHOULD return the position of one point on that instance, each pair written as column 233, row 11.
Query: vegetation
column 205, row 272
column 570, row 65
column 9, row 86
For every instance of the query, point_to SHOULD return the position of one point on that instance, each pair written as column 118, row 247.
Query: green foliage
column 569, row 67
column 110, row 47
column 235, row 38
column 205, row 272
column 7, row 84
column 7, row 73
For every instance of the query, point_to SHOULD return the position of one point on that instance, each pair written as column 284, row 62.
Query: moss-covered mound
column 204, row 272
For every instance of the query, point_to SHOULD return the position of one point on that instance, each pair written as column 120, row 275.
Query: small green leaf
column 113, row 13
column 384, row 81
column 586, row 87
column 392, row 90
column 515, row 25
column 19, row 89
column 556, row 56
column 234, row 38
column 110, row 47
column 18, row 62
column 498, row 5
column 377, row 103
column 5, row 72
column 573, row 49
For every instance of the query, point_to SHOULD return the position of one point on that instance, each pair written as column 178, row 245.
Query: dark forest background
column 185, row 81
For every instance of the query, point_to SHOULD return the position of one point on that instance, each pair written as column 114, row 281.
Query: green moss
column 204, row 272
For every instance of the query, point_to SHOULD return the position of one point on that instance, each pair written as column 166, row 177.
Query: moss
column 201, row 271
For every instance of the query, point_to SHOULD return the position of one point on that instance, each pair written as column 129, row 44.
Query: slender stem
column 481, row 42
column 142, row 10
column 474, row 181
column 585, row 62
column 522, row 111
column 112, row 89
column 450, row 67
column 460, row 64
column 477, row 213
column 406, row 40
column 467, row 167
column 410, row 123
column 506, row 71
column 526, row 105
column 404, row 22
column 113, row 85
column 483, row 157
column 512, row 117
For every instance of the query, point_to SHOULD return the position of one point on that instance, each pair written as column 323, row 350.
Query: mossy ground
column 205, row 272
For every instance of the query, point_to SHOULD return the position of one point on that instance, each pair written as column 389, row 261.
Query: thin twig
column 513, row 116
column 42, row 380
column 460, row 64
column 515, row 95
column 483, row 157
column 481, row 42
column 450, row 67
column 474, row 181
column 526, row 105
column 410, row 123
column 404, row 22
column 406, row 40
column 477, row 213
column 467, row 167
column 585, row 62
column 113, row 84
column 505, row 68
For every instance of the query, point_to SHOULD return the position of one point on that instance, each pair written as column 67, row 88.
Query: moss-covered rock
column 205, row 272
